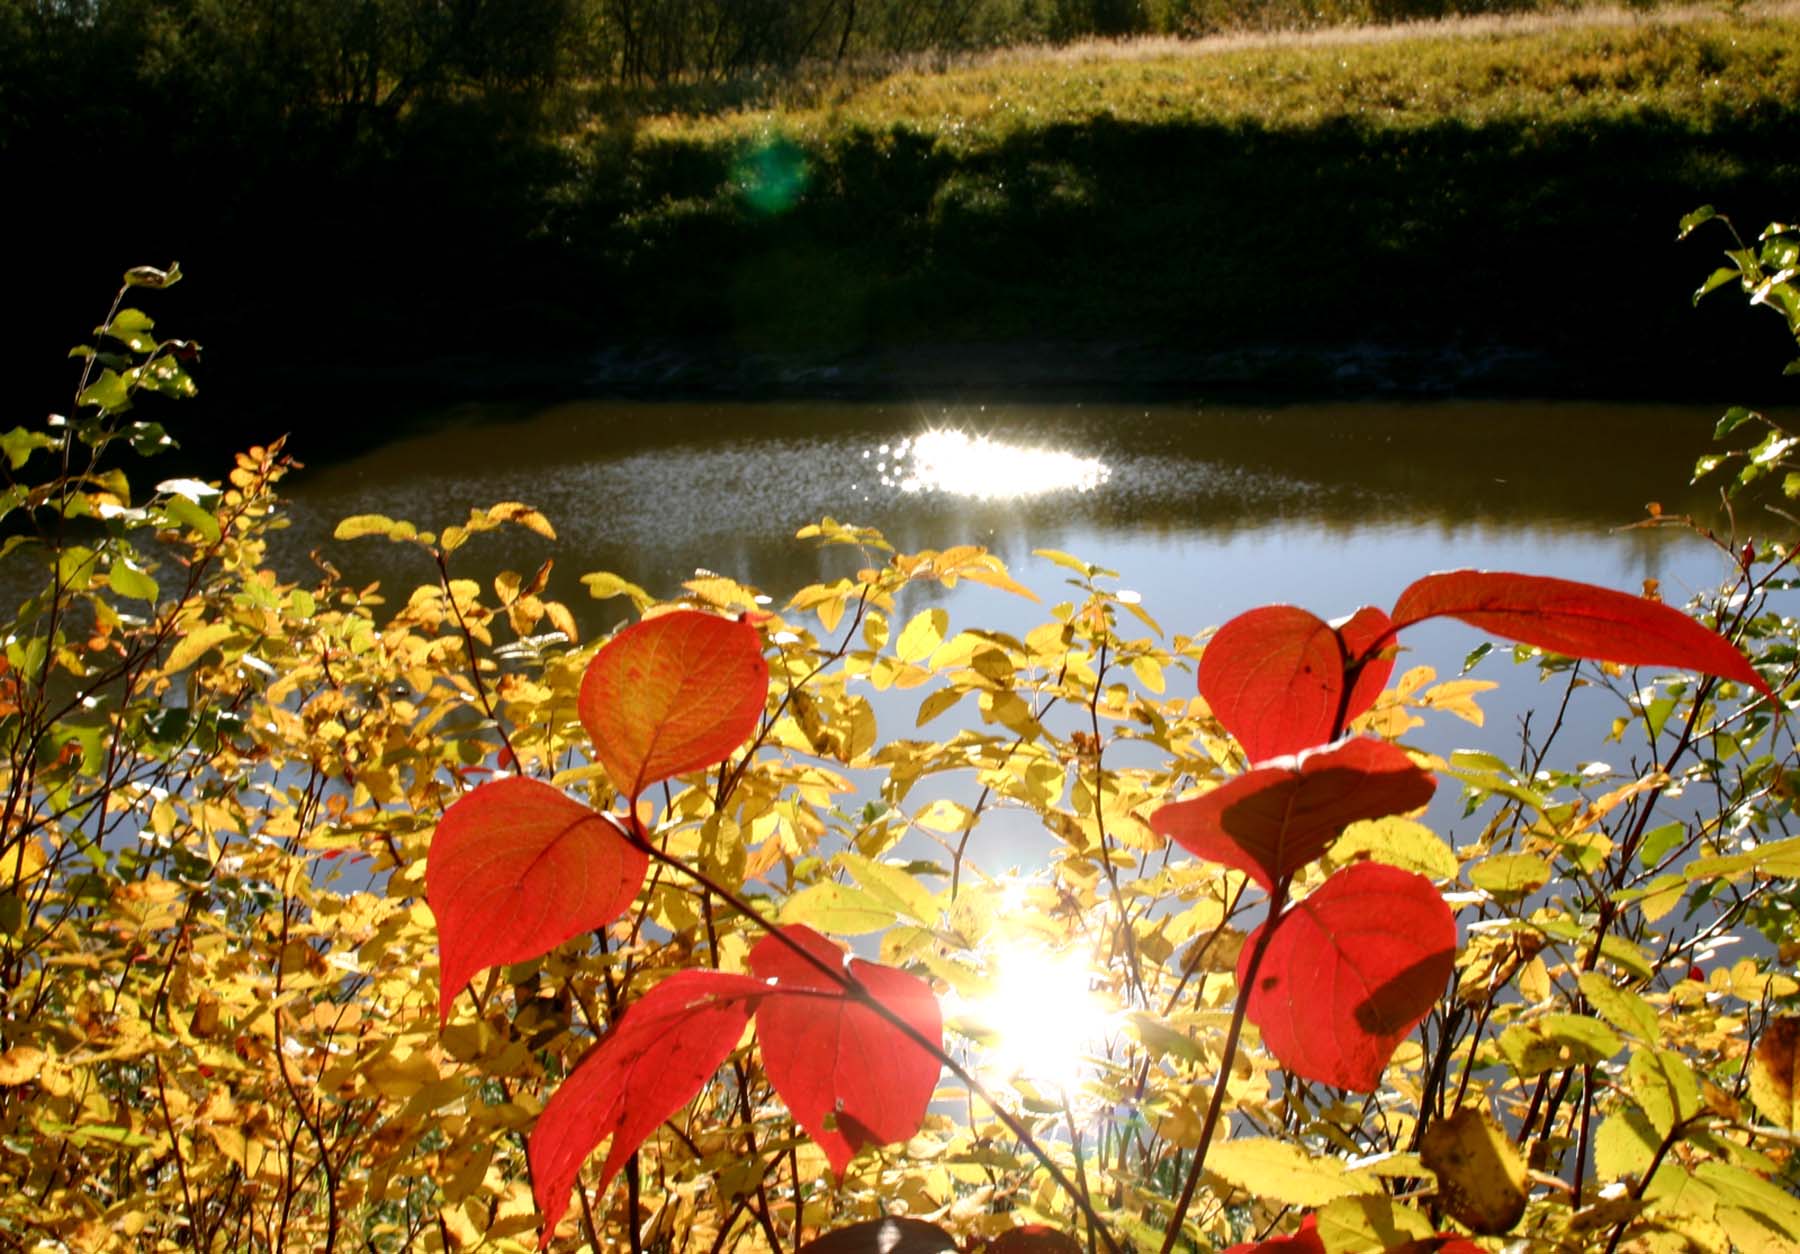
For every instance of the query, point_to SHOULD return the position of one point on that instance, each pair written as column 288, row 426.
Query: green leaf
column 1734, row 417
column 1747, row 1192
column 893, row 886
column 182, row 510
column 132, row 328
column 1658, row 841
column 1510, row 876
column 150, row 276
column 1625, row 1144
column 1717, row 279
column 1778, row 857
column 1554, row 1041
column 109, row 392
column 1706, row 465
column 1620, row 1007
column 839, row 908
column 128, row 581
column 1404, row 843
column 1664, row 1087
column 19, row 444
column 1700, row 216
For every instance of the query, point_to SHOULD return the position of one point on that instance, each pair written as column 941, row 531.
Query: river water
column 1204, row 510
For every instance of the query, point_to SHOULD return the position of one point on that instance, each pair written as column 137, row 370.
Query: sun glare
column 1044, row 1017
column 959, row 464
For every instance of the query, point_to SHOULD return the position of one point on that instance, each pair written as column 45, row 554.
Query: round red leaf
column 1350, row 971
column 515, row 869
column 672, row 694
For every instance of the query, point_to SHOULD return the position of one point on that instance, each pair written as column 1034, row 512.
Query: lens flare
column 1043, row 1019
column 956, row 463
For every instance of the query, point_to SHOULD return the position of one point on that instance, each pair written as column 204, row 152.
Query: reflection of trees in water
column 652, row 491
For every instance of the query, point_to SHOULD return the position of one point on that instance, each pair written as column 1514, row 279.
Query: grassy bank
column 1508, row 186
column 1495, row 197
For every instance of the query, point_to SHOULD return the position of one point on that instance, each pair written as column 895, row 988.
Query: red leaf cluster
column 849, row 1073
column 1349, row 972
column 516, row 868
column 1272, row 821
column 1282, row 680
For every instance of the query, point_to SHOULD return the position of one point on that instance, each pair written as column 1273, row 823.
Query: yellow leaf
column 20, row 1065
column 840, row 908
column 194, row 644
column 1481, row 1177
column 23, row 862
column 1275, row 1170
column 524, row 515
column 922, row 635
column 1404, row 843
column 1457, row 696
column 1774, row 1070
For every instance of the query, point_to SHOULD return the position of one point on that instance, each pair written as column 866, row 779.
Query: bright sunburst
column 1044, row 1017
column 959, row 464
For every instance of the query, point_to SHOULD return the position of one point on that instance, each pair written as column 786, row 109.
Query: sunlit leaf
column 515, row 869
column 1350, row 971
column 849, row 1075
column 663, row 1050
column 1480, row 1174
column 1280, row 1171
column 672, row 694
column 1774, row 1070
column 1275, row 677
column 1575, row 619
column 1273, row 820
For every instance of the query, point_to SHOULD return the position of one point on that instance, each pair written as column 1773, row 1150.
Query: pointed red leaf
column 1576, row 619
column 662, row 1052
column 1273, row 820
column 1350, row 971
column 672, row 694
column 884, row 1236
column 830, row 1056
column 1274, row 676
column 516, row 869
column 1304, row 1241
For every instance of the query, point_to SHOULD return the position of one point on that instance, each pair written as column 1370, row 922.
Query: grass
column 1468, row 186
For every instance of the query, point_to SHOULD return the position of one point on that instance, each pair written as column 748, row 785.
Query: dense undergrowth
column 260, row 828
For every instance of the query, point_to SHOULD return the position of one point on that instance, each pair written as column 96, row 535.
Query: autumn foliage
column 337, row 917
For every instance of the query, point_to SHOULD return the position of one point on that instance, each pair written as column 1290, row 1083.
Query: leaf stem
column 1226, row 1059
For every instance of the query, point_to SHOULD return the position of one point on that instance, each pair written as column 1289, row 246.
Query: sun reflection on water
column 957, row 463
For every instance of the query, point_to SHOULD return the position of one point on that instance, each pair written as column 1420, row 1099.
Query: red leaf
column 516, row 869
column 1033, row 1239
column 672, row 694
column 659, row 1055
column 1576, row 619
column 1442, row 1243
column 884, row 1236
column 1350, row 971
column 1274, row 677
column 830, row 1056
column 1272, row 821
column 1304, row 1241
